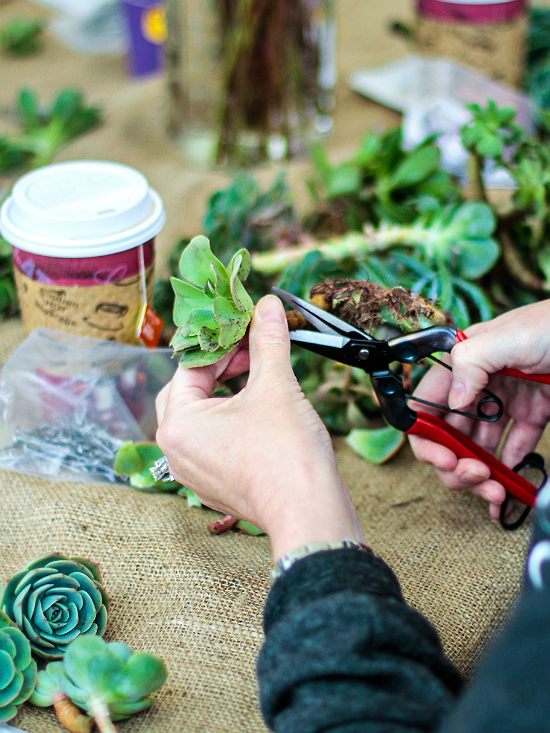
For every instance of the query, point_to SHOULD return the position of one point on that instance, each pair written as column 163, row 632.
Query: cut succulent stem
column 70, row 716
column 475, row 175
column 223, row 524
column 101, row 715
column 517, row 268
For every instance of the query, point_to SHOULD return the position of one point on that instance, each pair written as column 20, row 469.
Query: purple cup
column 146, row 23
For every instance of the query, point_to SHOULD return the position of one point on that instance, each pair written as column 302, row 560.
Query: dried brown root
column 222, row 525
column 295, row 320
column 70, row 716
column 365, row 304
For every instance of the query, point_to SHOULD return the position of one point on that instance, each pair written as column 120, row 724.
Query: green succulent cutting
column 212, row 309
column 54, row 600
column 135, row 461
column 108, row 681
column 17, row 669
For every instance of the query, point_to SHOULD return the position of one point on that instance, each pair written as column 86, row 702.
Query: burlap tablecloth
column 196, row 600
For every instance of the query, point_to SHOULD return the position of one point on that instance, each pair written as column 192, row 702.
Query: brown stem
column 70, row 716
column 222, row 525
column 477, row 186
column 516, row 268
column 100, row 711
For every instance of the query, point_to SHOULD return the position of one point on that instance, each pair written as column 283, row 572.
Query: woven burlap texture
column 196, row 600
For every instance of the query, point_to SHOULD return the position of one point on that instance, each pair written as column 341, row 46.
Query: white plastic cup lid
column 81, row 209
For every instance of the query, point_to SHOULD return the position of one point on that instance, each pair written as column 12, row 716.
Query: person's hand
column 262, row 455
column 518, row 339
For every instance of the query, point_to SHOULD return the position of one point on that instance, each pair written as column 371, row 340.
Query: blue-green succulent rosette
column 18, row 674
column 55, row 599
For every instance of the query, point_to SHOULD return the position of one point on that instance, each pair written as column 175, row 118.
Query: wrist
column 325, row 515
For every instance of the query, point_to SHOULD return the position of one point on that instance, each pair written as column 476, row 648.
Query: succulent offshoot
column 18, row 672
column 54, row 600
column 212, row 309
column 108, row 681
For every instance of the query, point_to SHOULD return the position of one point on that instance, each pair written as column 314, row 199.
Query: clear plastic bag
column 68, row 402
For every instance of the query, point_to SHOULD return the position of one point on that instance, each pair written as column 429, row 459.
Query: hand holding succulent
column 54, row 600
column 109, row 681
column 212, row 309
column 17, row 669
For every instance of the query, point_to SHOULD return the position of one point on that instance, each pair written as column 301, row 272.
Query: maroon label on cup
column 83, row 271
column 482, row 13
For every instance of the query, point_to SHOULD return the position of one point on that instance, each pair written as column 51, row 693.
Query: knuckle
column 272, row 336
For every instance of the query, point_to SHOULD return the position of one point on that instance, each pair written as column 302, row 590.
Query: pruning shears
column 342, row 342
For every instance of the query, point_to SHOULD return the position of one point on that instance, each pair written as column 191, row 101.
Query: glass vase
column 249, row 80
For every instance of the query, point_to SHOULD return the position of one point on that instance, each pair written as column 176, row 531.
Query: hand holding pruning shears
column 439, row 441
column 518, row 339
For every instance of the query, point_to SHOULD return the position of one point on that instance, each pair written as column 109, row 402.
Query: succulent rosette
column 55, row 599
column 17, row 669
column 212, row 309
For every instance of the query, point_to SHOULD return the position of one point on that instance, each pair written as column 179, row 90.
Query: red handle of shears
column 542, row 378
column 434, row 429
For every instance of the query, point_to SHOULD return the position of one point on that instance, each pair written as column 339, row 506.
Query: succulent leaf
column 127, row 460
column 212, row 321
column 209, row 338
column 120, row 649
column 144, row 674
column 18, row 673
column 376, row 445
column 54, row 600
column 195, row 261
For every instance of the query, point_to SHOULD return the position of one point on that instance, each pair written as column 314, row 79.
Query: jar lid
column 81, row 209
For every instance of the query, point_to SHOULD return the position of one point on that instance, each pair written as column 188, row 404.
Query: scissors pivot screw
column 363, row 354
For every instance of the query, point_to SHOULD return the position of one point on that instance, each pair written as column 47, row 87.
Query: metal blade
column 319, row 339
column 320, row 319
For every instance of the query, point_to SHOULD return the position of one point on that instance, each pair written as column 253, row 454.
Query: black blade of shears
column 320, row 319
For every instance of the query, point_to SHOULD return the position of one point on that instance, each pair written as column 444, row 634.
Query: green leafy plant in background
column 55, row 599
column 523, row 223
column 18, row 672
column 537, row 75
column 21, row 36
column 381, row 182
column 212, row 309
column 45, row 130
column 108, row 681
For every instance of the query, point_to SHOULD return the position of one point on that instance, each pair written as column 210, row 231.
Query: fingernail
column 472, row 477
column 456, row 395
column 269, row 309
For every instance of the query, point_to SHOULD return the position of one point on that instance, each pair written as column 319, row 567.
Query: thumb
column 269, row 342
column 471, row 370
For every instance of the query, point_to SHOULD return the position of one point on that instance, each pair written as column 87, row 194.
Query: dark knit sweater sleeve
column 344, row 653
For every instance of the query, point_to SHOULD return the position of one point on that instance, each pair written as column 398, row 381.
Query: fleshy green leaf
column 378, row 445
column 128, row 460
column 196, row 259
column 143, row 674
